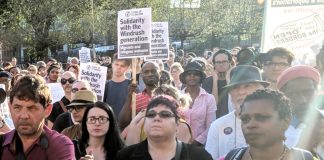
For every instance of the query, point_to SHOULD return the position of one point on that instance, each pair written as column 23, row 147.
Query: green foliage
column 46, row 24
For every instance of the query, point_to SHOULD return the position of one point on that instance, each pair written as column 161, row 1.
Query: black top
column 222, row 103
column 57, row 109
column 63, row 121
column 140, row 152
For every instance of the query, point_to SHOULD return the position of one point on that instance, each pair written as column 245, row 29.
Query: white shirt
column 224, row 135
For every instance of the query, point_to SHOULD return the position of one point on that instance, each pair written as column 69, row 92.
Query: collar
column 201, row 91
column 65, row 100
column 42, row 141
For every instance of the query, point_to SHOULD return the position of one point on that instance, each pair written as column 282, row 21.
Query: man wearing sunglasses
column 81, row 100
column 60, row 107
column 161, row 125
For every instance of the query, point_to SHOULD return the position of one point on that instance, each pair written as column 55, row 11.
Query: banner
column 160, row 41
column 296, row 25
column 134, row 33
column 84, row 55
column 96, row 76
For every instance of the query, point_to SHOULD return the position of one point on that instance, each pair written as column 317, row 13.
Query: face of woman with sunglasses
column 66, row 81
column 160, row 122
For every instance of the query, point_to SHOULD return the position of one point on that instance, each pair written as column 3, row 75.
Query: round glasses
column 74, row 90
column 101, row 120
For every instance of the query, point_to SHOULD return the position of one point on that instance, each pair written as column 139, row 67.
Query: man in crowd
column 274, row 62
column 60, row 107
column 77, row 107
column 223, row 62
column 225, row 133
column 29, row 105
column 13, row 61
column 300, row 84
column 151, row 76
column 117, row 88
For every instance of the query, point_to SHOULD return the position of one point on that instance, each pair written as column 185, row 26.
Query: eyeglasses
column 162, row 114
column 101, row 120
column 74, row 90
column 278, row 64
column 221, row 62
column 76, row 108
column 70, row 80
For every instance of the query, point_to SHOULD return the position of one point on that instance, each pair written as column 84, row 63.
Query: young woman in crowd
column 100, row 134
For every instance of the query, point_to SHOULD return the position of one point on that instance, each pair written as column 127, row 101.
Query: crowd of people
column 230, row 104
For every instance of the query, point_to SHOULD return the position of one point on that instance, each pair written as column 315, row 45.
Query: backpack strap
column 236, row 154
column 62, row 106
column 178, row 150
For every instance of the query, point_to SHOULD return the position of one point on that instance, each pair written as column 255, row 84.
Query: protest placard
column 96, row 76
column 134, row 33
column 84, row 55
column 57, row 91
column 295, row 25
column 160, row 41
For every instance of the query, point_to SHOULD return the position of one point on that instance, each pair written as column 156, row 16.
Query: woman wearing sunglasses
column 184, row 133
column 160, row 125
column 100, row 134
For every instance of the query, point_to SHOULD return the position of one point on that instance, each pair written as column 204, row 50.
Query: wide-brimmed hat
column 245, row 74
column 193, row 66
column 83, row 98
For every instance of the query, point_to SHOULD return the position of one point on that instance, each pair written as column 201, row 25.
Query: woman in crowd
column 32, row 69
column 161, row 125
column 136, row 126
column 175, row 70
column 266, row 115
column 53, row 73
column 100, row 134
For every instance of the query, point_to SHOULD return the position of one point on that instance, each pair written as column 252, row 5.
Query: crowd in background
column 224, row 104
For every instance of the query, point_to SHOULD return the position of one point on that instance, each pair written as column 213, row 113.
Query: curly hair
column 280, row 102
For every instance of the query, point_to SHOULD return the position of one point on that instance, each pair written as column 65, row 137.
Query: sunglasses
column 162, row 114
column 70, row 80
column 76, row 108
column 74, row 90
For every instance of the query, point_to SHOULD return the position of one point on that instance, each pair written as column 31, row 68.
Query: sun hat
column 83, row 98
column 193, row 66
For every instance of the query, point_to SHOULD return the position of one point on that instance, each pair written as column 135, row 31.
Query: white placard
column 296, row 25
column 134, row 33
column 96, row 76
column 57, row 91
column 160, row 41
column 84, row 55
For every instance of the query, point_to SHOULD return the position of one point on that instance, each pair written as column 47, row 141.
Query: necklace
column 280, row 158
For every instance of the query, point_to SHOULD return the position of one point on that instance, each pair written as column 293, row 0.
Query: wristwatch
column 2, row 123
